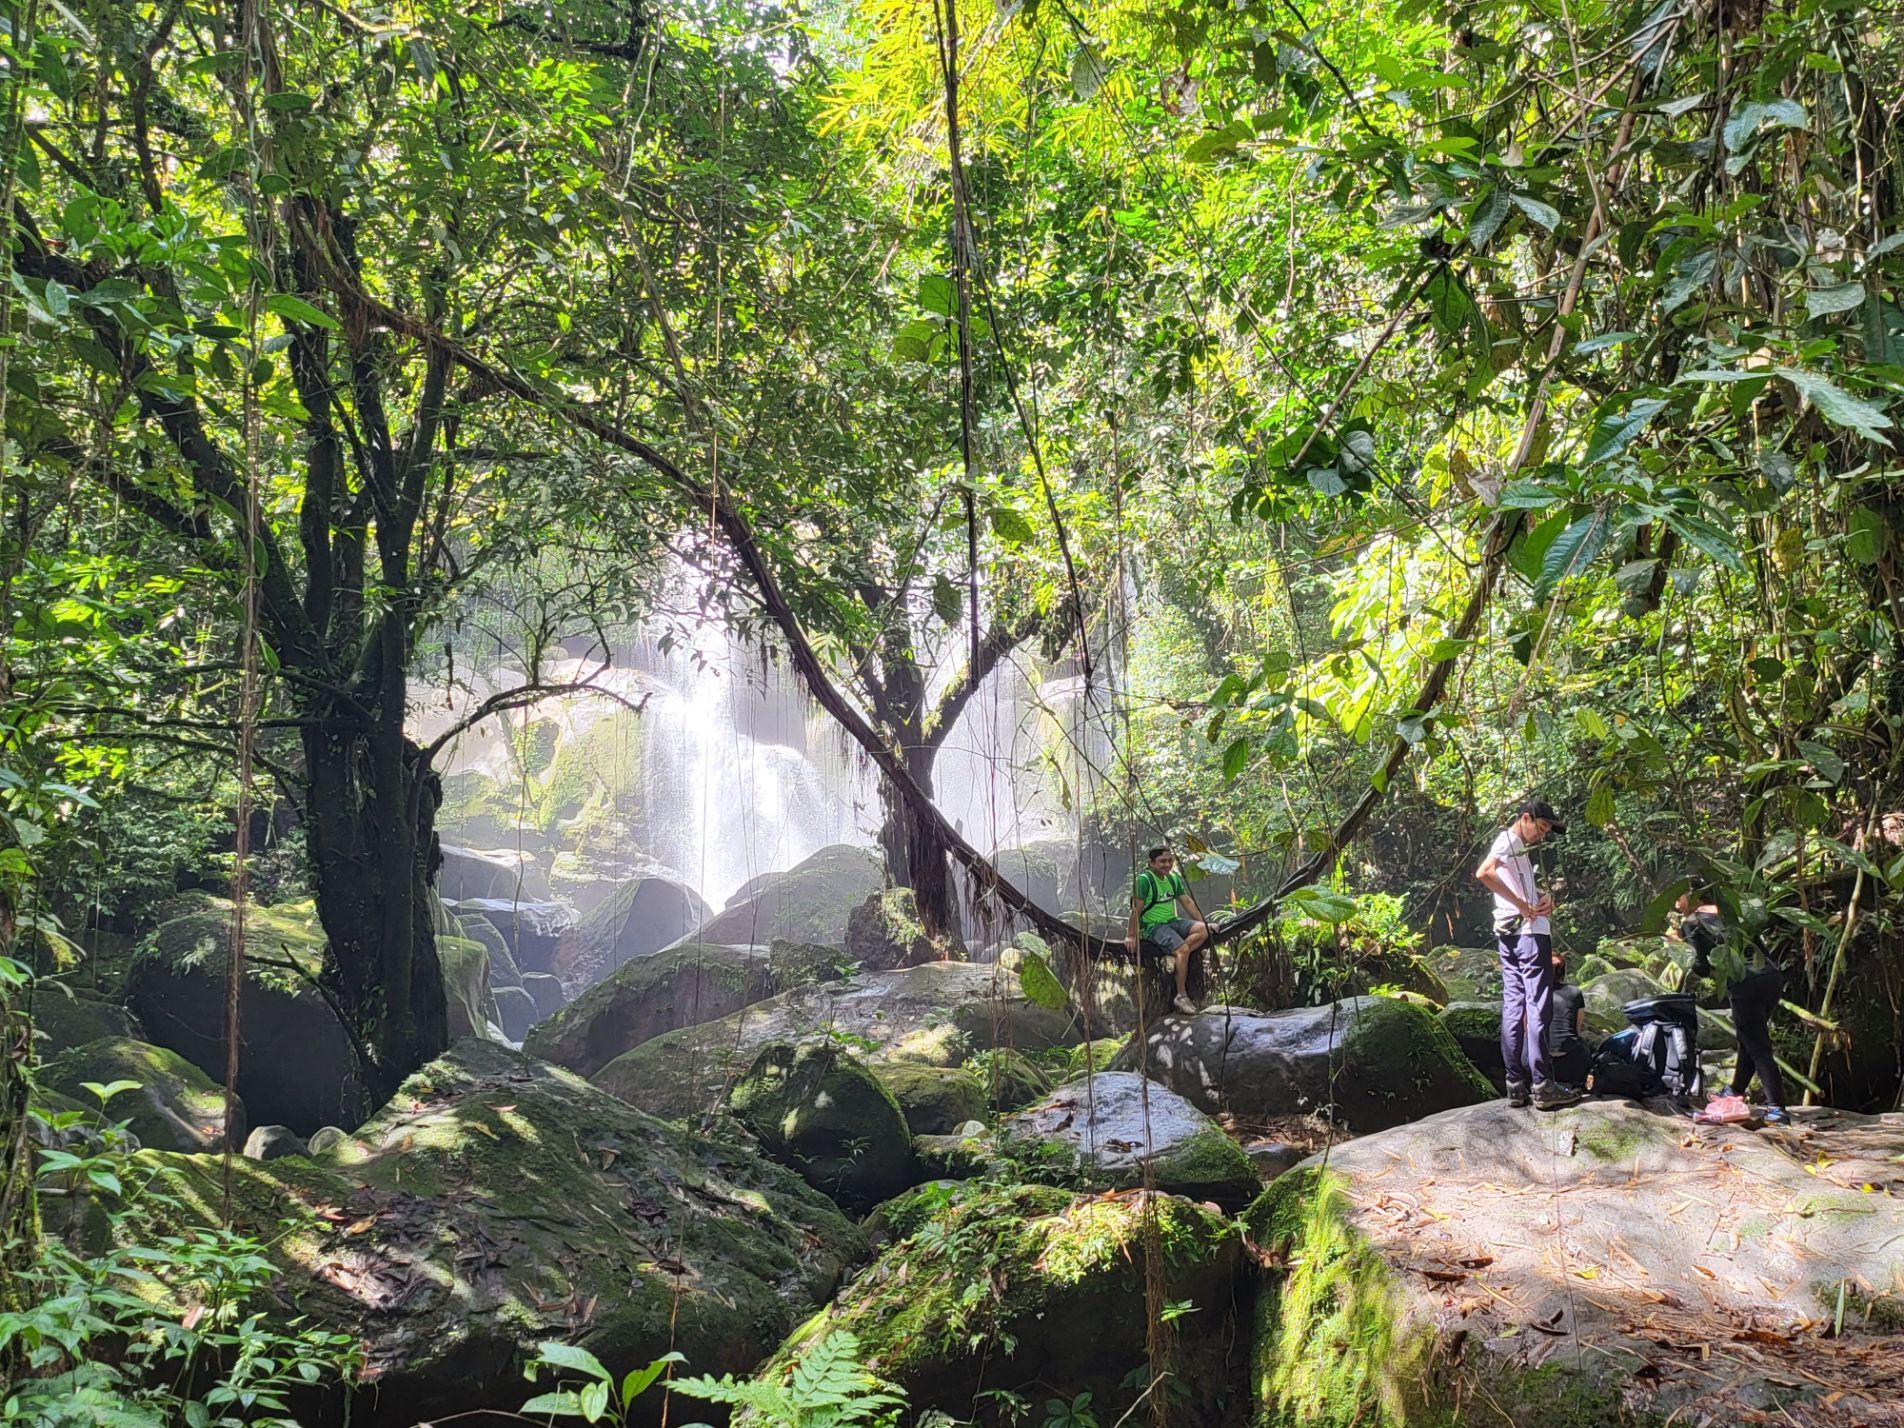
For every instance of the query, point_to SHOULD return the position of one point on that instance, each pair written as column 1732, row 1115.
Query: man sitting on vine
column 1157, row 921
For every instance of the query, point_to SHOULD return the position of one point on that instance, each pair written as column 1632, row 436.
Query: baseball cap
column 1543, row 810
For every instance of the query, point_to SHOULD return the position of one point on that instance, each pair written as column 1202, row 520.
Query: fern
column 828, row 1388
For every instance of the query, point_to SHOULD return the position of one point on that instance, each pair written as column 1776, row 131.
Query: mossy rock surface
column 1371, row 1062
column 176, row 1106
column 1031, row 1289
column 936, row 1100
column 1626, row 953
column 810, row 902
column 818, row 1109
column 61, row 1022
column 936, row 1014
column 1467, row 974
column 1590, row 966
column 885, row 932
column 499, row 1202
column 645, row 908
column 1009, row 1078
column 472, row 1005
column 1476, row 1029
column 1607, row 996
column 1352, row 1326
column 1115, row 1130
column 686, row 985
column 296, row 1066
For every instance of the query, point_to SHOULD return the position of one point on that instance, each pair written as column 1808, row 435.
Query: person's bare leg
column 1199, row 934
column 1183, row 970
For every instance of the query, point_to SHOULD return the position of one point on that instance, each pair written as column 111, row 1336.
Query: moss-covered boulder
column 684, row 986
column 296, row 1066
column 810, row 902
column 1590, row 966
column 1030, row 1289
column 1467, row 974
column 499, row 1202
column 1109, row 1131
column 532, row 930
column 176, row 1106
column 936, row 1013
column 1600, row 1307
column 820, row 1110
column 1626, row 952
column 936, row 1100
column 1010, row 1078
column 472, row 1003
column 1370, row 1062
column 647, row 908
column 884, row 932
column 62, row 1020
column 1476, row 1029
column 1607, row 996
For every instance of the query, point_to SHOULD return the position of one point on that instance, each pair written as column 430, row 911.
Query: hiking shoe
column 1551, row 1096
column 1185, row 1005
column 1516, row 1094
column 1776, row 1116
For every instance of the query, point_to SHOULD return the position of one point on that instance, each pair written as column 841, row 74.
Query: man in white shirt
column 1524, row 936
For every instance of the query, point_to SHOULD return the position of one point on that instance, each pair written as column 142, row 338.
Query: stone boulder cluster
column 800, row 1117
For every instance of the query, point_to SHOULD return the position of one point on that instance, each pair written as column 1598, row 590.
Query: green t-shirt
column 1159, row 897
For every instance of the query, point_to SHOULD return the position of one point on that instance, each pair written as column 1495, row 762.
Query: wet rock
column 546, row 992
column 1476, row 1029
column 296, row 1066
column 516, row 1013
column 809, row 903
column 649, row 908
column 936, row 1100
column 1607, row 995
column 1099, row 1134
column 1371, row 1062
column 274, row 1143
column 819, row 1110
column 532, row 930
column 684, row 986
column 935, row 1014
column 1467, row 974
column 326, row 1139
column 472, row 1005
column 498, row 1203
column 175, row 1106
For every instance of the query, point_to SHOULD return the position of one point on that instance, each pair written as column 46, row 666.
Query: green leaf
column 1840, row 297
column 1838, row 406
column 1321, row 905
column 1600, row 810
column 561, row 1404
column 288, row 102
column 1489, row 214
column 1008, row 525
column 1653, row 919
column 295, row 309
column 1830, row 767
column 947, row 600
column 1865, row 542
column 594, row 1402
column 1040, row 984
column 1617, row 426
column 106, row 1092
column 914, row 342
column 1545, row 214
column 569, row 1356
column 640, row 1380
column 1572, row 552
column 1236, row 758
column 938, row 293
column 1088, row 71
column 1599, row 342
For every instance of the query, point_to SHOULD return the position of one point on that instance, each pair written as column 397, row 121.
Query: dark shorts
column 1169, row 936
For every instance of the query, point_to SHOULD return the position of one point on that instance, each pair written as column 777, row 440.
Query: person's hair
column 1559, row 960
column 1154, row 854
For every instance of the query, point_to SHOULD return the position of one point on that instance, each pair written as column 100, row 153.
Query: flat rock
column 1370, row 1062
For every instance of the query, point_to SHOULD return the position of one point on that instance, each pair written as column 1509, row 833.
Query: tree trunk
column 916, row 856
column 371, row 801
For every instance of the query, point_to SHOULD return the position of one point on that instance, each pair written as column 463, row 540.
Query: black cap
column 1543, row 810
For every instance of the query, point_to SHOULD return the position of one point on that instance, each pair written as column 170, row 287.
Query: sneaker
column 1776, row 1116
column 1185, row 1005
column 1551, row 1096
column 1516, row 1094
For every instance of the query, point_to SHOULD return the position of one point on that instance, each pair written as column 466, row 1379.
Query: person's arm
column 1130, row 931
column 1580, row 1020
column 1489, row 875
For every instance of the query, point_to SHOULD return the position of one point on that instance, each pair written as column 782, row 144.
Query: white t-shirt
column 1517, row 870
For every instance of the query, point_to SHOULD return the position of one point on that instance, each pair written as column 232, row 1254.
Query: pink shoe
column 1724, row 1110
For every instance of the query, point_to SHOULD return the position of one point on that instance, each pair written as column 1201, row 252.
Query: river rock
column 936, row 1100
column 176, row 1106
column 495, row 874
column 884, row 932
column 531, row 929
column 503, row 971
column 936, row 1014
column 1587, row 1266
column 684, row 986
column 274, row 1143
column 1030, row 1288
column 62, row 1021
column 651, row 907
column 1099, row 1133
column 295, row 1063
column 808, row 903
column 498, row 1203
column 1371, row 1062
column 819, row 1110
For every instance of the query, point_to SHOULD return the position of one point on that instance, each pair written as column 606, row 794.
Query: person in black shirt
column 1753, row 983
column 1567, row 1045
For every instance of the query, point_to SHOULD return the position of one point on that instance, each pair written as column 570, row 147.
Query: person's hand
column 1130, row 943
column 1544, row 906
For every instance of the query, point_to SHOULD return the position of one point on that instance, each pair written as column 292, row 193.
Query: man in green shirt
column 1155, row 918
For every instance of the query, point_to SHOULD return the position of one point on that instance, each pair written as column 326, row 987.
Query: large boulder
column 684, row 986
column 884, row 932
column 532, row 930
column 1607, row 995
column 818, row 1109
column 175, row 1106
column 647, row 909
column 1466, row 974
column 1599, row 1265
column 1030, row 1289
column 1476, row 1029
column 936, row 1100
column 1107, row 1131
column 1369, row 1062
column 936, row 1013
column 808, row 903
column 296, row 1066
column 62, row 1020
column 501, row 874
column 498, row 1203
column 472, row 1002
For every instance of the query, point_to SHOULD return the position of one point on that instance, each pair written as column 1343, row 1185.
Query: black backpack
column 1658, row 1055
